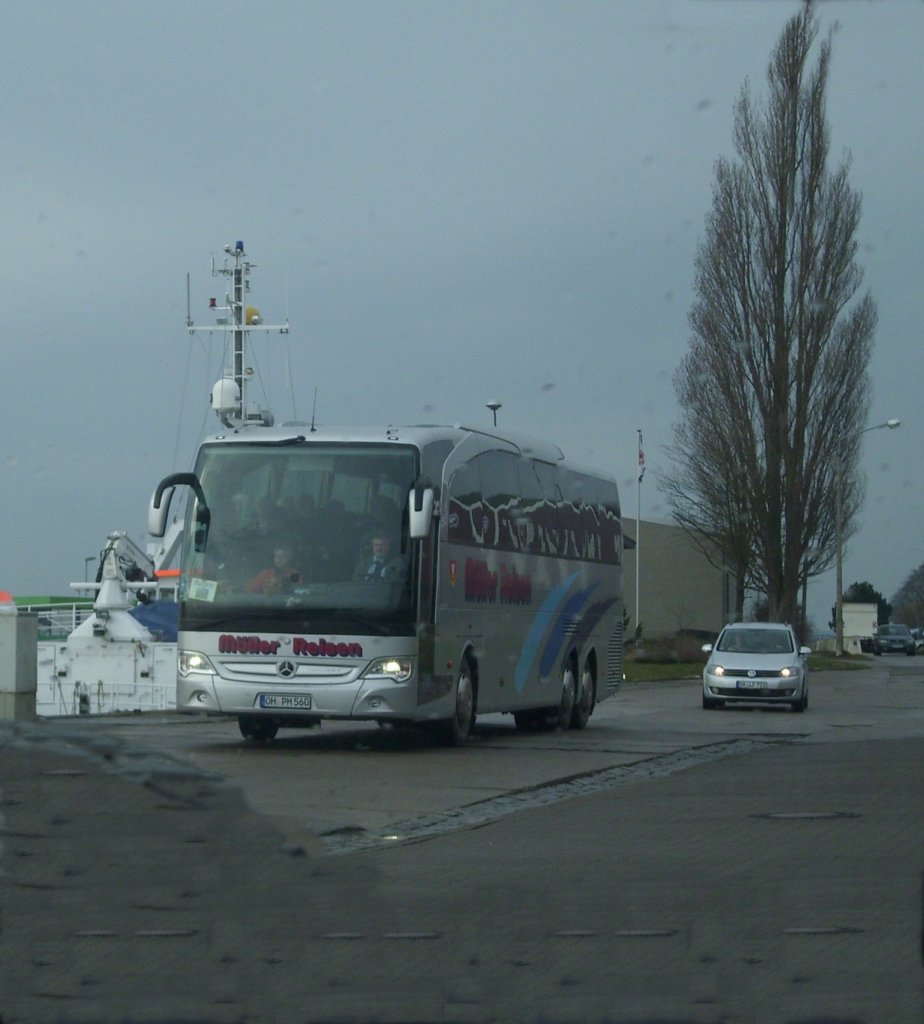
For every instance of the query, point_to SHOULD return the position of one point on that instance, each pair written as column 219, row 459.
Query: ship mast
column 229, row 395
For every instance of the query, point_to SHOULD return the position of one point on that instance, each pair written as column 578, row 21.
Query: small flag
column 641, row 458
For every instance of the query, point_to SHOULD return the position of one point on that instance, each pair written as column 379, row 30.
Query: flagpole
column 638, row 529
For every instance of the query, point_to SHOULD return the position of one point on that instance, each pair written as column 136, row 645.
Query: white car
column 756, row 663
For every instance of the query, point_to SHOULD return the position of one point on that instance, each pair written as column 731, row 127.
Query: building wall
column 680, row 589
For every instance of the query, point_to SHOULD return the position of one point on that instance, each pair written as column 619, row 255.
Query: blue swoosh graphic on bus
column 557, row 637
column 590, row 620
column 537, row 631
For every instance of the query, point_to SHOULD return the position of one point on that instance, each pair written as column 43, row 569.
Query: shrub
column 686, row 646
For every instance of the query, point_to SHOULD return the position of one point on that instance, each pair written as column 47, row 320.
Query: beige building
column 680, row 588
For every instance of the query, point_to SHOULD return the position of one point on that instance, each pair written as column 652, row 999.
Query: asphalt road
column 667, row 864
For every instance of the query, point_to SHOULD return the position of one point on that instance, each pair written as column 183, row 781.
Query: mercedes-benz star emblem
column 286, row 669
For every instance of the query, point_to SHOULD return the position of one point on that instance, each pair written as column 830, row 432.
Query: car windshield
column 756, row 641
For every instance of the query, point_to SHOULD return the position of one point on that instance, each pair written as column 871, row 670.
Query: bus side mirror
column 163, row 495
column 158, row 510
column 420, row 512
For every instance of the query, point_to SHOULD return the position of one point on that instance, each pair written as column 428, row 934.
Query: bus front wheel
column 456, row 730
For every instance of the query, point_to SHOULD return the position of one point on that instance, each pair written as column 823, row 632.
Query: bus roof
column 413, row 434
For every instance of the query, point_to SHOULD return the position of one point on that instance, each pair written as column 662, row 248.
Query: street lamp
column 494, row 405
column 839, row 527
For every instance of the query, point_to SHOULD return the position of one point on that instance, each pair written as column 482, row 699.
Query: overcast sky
column 451, row 202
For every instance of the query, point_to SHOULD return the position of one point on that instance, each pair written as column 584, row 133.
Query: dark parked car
column 894, row 640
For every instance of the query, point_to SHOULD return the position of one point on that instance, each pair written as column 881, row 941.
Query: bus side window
column 531, row 507
column 548, row 513
column 465, row 506
column 499, row 487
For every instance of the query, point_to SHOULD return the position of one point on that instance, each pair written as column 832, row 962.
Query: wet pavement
column 779, row 885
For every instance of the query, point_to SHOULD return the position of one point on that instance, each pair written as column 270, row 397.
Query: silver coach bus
column 497, row 587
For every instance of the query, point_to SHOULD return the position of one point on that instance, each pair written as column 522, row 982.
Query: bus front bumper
column 375, row 698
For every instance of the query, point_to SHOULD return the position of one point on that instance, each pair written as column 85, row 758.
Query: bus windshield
column 302, row 535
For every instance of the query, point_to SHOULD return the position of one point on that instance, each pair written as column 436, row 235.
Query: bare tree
column 774, row 390
column 709, row 493
column 908, row 603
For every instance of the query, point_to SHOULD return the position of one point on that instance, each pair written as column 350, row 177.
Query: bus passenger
column 280, row 577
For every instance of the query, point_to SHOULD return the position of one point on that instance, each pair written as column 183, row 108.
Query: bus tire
column 561, row 716
column 257, row 729
column 584, row 701
column 456, row 730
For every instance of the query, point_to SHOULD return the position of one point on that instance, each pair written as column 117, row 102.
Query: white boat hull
column 91, row 676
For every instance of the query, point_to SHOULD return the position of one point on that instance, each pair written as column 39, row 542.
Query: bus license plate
column 285, row 701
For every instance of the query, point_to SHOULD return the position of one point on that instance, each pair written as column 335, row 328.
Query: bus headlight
column 193, row 663
column 398, row 669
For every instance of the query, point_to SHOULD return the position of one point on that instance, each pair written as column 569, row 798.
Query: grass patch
column 656, row 672
column 821, row 660
column 679, row 657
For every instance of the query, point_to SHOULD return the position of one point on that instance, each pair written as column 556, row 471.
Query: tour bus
column 499, row 587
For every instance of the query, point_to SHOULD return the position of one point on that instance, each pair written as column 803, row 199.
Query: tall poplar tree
column 774, row 392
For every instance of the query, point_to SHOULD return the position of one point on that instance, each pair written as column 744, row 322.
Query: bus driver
column 381, row 566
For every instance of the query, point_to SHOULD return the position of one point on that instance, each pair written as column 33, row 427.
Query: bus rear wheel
column 456, row 730
column 584, row 701
column 257, row 729
column 560, row 717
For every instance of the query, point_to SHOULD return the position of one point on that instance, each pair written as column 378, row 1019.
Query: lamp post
column 839, row 529
column 494, row 406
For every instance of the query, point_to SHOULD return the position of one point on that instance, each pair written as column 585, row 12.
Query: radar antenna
column 229, row 395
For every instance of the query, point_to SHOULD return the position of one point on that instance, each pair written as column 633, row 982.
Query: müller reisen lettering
column 319, row 648
column 326, row 649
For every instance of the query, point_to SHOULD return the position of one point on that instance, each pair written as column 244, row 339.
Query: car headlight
column 193, row 663
column 398, row 669
column 717, row 670
column 790, row 672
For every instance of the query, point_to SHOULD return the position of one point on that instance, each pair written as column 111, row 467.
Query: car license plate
column 750, row 684
column 285, row 701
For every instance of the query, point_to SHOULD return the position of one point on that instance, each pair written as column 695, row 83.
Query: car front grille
column 757, row 692
column 748, row 673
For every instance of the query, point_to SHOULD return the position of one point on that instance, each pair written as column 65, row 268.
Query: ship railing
column 57, row 621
